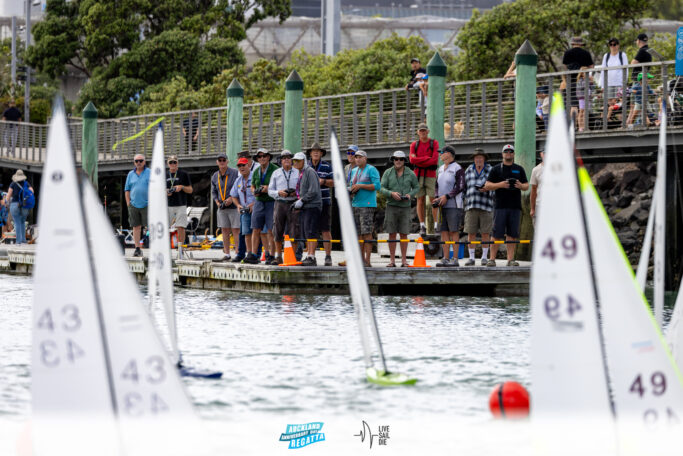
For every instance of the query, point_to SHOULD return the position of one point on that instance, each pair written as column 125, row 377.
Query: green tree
column 126, row 46
column 488, row 41
column 667, row 9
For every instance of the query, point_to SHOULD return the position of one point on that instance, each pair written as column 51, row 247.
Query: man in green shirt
column 262, row 213
column 399, row 185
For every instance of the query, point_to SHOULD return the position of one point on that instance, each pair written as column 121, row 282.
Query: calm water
column 284, row 355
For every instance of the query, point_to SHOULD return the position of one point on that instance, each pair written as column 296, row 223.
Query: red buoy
column 509, row 400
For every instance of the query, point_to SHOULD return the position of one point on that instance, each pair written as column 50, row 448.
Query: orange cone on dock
column 420, row 261
column 289, row 256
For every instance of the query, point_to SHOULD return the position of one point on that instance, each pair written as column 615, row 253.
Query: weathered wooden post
column 294, row 102
column 89, row 154
column 436, row 96
column 526, row 61
column 234, row 119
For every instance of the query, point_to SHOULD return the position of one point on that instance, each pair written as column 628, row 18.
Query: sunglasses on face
column 222, row 159
column 241, row 166
column 614, row 44
column 139, row 161
column 508, row 151
column 399, row 159
column 173, row 163
column 261, row 156
column 286, row 157
column 350, row 152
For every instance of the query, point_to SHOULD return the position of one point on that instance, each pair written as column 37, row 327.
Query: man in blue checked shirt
column 324, row 171
column 478, row 204
column 243, row 199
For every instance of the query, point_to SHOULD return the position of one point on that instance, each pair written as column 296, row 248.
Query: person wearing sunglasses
column 227, row 216
column 136, row 186
column 178, row 186
column 399, row 186
column 448, row 192
column 615, row 78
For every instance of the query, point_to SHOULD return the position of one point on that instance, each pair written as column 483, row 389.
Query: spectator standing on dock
column 191, row 131
column 309, row 203
column 242, row 246
column 575, row 58
column 450, row 185
column 536, row 182
column 283, row 190
column 415, row 70
column 478, row 204
column 4, row 212
column 351, row 159
column 136, row 187
column 365, row 183
column 399, row 185
column 227, row 216
column 178, row 186
column 14, row 198
column 11, row 114
column 642, row 56
column 324, row 171
column 424, row 155
column 615, row 78
column 243, row 199
column 262, row 214
column 508, row 179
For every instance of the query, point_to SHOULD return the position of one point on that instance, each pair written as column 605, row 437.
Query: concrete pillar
column 436, row 96
column 526, row 60
column 294, row 102
column 234, row 119
column 89, row 155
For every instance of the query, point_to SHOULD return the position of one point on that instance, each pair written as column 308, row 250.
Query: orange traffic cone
column 290, row 257
column 263, row 255
column 420, row 261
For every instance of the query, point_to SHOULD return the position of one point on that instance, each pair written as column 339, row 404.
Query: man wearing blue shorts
column 244, row 200
column 262, row 214
column 508, row 180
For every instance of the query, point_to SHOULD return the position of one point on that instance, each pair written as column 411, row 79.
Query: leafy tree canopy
column 488, row 41
column 124, row 46
column 667, row 9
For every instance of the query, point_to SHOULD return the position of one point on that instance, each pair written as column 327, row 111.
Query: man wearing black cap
column 227, row 216
column 642, row 56
column 478, row 204
column 415, row 69
column 324, row 171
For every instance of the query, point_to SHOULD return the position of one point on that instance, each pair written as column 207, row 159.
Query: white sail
column 644, row 261
column 660, row 224
column 69, row 372
column 646, row 384
column 674, row 333
column 147, row 386
column 568, row 373
column 358, row 285
column 159, row 275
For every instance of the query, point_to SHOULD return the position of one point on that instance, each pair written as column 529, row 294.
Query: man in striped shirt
column 478, row 204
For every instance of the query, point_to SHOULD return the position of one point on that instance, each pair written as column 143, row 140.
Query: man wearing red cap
column 243, row 198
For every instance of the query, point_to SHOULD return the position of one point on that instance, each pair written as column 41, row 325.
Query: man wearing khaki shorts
column 478, row 204
column 424, row 155
column 178, row 186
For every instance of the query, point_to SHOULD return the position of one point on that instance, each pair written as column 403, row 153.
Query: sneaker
column 454, row 262
column 269, row 258
column 470, row 262
column 491, row 263
column 278, row 260
column 484, row 261
column 226, row 258
column 251, row 259
column 513, row 263
column 328, row 260
column 137, row 252
column 309, row 261
column 445, row 262
column 237, row 259
column 342, row 263
column 423, row 231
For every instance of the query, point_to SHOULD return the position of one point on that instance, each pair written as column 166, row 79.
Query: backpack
column 27, row 198
column 605, row 58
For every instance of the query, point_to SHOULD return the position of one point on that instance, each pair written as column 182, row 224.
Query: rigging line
column 601, row 335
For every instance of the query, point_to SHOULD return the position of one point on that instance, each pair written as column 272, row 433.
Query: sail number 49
column 568, row 247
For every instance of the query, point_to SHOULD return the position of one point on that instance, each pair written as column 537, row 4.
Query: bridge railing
column 474, row 111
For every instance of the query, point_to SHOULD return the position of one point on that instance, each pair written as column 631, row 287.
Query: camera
column 244, row 210
column 290, row 191
column 435, row 203
column 405, row 197
column 512, row 181
column 171, row 190
column 258, row 191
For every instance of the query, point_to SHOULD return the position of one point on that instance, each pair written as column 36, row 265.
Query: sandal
column 404, row 265
column 391, row 265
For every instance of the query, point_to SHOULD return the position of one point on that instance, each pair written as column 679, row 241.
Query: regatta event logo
column 366, row 433
column 301, row 435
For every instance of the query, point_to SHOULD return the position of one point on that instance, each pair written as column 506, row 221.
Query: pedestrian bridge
column 476, row 113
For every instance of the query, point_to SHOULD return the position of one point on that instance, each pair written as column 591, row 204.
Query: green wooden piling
column 89, row 154
column 294, row 102
column 234, row 119
column 526, row 60
column 436, row 97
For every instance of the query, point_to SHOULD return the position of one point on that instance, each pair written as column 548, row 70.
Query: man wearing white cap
column 399, row 185
column 309, row 202
column 14, row 197
column 449, row 188
column 178, row 186
column 365, row 183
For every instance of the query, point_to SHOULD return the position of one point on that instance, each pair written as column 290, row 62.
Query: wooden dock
column 203, row 271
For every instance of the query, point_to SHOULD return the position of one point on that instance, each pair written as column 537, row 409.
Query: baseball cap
column 243, row 161
column 508, row 147
column 244, row 153
column 219, row 156
column 172, row 158
column 448, row 149
column 361, row 153
column 422, row 126
column 352, row 147
column 613, row 41
column 414, row 59
column 398, row 154
column 642, row 37
column 286, row 153
column 299, row 156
